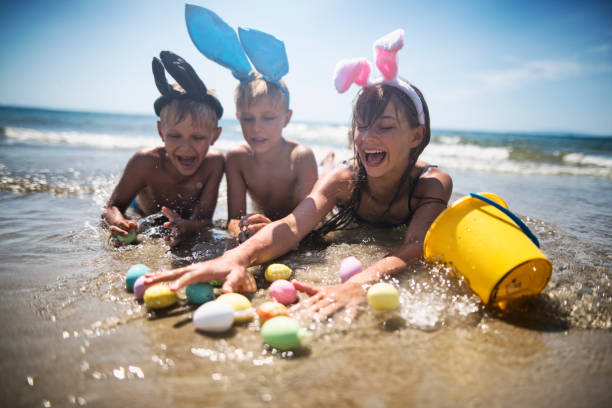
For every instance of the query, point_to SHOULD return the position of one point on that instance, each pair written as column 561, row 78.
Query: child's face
column 187, row 143
column 262, row 122
column 385, row 146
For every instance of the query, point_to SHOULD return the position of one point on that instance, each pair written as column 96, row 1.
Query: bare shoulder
column 237, row 154
column 434, row 183
column 147, row 157
column 338, row 182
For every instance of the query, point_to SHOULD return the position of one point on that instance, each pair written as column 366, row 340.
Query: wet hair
column 248, row 92
column 202, row 114
column 369, row 104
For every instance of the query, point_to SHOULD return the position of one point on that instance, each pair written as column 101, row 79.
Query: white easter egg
column 214, row 316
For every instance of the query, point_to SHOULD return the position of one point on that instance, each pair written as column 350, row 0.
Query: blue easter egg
column 199, row 293
column 135, row 272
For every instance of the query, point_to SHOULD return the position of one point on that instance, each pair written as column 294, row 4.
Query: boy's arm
column 236, row 192
column 131, row 182
column 307, row 173
column 205, row 208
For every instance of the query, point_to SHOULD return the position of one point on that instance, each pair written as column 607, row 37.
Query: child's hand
column 223, row 268
column 122, row 228
column 176, row 225
column 325, row 301
column 250, row 224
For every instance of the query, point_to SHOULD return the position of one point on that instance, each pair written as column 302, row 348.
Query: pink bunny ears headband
column 357, row 70
column 217, row 41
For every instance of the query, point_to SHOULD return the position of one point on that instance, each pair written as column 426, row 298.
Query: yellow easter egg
column 241, row 305
column 159, row 296
column 383, row 296
column 277, row 271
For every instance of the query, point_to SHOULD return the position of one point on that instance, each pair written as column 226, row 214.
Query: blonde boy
column 180, row 178
column 276, row 173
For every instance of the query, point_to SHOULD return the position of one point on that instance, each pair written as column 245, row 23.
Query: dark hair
column 369, row 104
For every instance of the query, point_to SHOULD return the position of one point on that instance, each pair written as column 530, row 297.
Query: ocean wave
column 98, row 140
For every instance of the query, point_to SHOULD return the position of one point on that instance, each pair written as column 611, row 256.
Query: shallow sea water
column 72, row 336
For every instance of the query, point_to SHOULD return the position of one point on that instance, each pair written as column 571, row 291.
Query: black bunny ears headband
column 186, row 77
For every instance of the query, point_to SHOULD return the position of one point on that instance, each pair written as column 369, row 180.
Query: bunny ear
column 214, row 38
column 385, row 53
column 348, row 71
column 183, row 73
column 160, row 78
column 266, row 52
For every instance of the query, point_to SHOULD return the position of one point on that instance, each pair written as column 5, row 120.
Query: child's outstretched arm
column 435, row 192
column 131, row 182
column 203, row 210
column 272, row 241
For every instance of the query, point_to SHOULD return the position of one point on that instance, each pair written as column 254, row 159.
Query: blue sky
column 482, row 65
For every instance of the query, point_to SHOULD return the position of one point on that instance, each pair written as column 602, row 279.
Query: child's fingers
column 172, row 215
column 118, row 231
column 305, row 287
column 233, row 281
column 256, row 227
column 258, row 218
column 165, row 275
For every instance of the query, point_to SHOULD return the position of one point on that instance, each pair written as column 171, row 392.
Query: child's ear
column 288, row 117
column 237, row 116
column 159, row 130
column 216, row 135
column 418, row 135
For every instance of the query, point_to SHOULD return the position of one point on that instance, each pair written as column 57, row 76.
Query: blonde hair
column 202, row 114
column 247, row 92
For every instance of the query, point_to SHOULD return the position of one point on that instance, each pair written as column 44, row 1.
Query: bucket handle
column 510, row 214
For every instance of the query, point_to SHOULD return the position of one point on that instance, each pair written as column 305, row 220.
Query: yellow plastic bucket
column 482, row 240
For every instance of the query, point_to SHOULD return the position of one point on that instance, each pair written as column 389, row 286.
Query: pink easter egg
column 140, row 288
column 348, row 267
column 283, row 291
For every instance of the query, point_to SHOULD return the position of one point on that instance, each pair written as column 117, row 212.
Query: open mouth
column 186, row 162
column 258, row 139
column 374, row 157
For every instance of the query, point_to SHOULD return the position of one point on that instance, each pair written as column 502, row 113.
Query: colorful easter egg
column 348, row 267
column 199, row 293
column 383, row 296
column 214, row 316
column 241, row 305
column 215, row 283
column 283, row 291
column 129, row 239
column 248, row 285
column 159, row 296
column 135, row 272
column 140, row 287
column 277, row 271
column 268, row 310
column 283, row 333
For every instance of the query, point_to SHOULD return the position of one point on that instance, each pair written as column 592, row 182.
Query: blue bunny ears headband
column 184, row 74
column 217, row 41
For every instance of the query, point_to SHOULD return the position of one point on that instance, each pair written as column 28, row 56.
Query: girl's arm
column 436, row 191
column 270, row 242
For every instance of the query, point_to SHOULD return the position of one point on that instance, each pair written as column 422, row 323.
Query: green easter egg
column 129, row 239
column 215, row 283
column 282, row 333
column 199, row 293
column 135, row 272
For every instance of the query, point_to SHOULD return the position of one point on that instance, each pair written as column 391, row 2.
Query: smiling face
column 385, row 144
column 262, row 122
column 187, row 142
